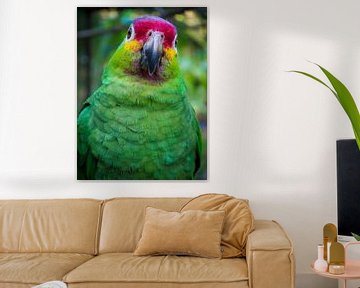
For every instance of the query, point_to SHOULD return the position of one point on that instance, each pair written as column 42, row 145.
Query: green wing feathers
column 199, row 145
column 86, row 164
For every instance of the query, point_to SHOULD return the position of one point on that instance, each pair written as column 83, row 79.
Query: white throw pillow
column 51, row 284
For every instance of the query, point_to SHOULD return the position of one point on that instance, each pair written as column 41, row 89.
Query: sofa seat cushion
column 127, row 268
column 242, row 284
column 36, row 268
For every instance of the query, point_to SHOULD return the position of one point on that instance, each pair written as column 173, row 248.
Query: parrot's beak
column 152, row 52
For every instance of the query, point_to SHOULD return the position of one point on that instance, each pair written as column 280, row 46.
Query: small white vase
column 320, row 264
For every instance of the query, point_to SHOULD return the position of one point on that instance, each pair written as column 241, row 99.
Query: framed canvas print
column 142, row 93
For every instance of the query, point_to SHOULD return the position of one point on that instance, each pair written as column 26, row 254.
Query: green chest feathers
column 145, row 138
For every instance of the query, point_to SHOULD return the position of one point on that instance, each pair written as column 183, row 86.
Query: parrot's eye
column 130, row 33
column 175, row 43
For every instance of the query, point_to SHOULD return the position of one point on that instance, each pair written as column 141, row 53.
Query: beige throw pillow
column 239, row 221
column 193, row 232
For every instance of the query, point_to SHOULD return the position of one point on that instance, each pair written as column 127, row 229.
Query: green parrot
column 139, row 124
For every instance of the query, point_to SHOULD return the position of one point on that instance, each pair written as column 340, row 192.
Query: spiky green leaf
column 344, row 97
column 356, row 236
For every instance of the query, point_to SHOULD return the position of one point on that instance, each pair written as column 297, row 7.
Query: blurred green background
column 101, row 30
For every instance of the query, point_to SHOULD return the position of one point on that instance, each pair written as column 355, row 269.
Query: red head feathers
column 143, row 25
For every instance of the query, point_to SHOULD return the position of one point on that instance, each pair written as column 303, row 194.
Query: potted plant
column 345, row 99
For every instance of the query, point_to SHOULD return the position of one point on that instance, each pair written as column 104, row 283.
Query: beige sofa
column 89, row 243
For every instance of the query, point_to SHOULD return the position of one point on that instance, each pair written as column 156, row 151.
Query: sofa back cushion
column 123, row 220
column 238, row 224
column 67, row 226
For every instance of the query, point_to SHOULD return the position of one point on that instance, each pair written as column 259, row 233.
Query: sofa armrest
column 269, row 256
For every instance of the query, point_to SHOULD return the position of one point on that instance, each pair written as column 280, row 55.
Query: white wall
column 272, row 133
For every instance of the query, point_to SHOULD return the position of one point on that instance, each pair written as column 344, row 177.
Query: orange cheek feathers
column 133, row 45
column 170, row 53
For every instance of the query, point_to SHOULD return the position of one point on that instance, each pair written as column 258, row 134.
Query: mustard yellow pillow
column 238, row 223
column 193, row 232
